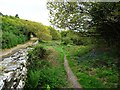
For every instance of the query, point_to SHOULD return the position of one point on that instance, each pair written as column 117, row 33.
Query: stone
column 19, row 77
column 21, row 58
column 8, row 59
column 14, row 57
column 2, row 68
column 13, row 63
column 1, row 84
column 21, row 84
column 24, row 71
column 11, row 68
column 9, row 76
column 22, row 62
column 2, row 77
column 21, row 67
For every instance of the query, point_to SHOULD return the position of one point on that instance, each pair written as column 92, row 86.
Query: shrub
column 83, row 50
column 45, row 37
column 45, row 69
column 9, row 40
column 37, row 63
column 38, row 54
column 54, row 33
column 77, row 40
column 33, row 78
column 67, row 40
column 19, row 30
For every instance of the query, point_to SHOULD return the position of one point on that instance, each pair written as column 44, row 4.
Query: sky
column 34, row 10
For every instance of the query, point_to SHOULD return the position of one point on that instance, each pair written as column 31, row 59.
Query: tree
column 54, row 33
column 106, row 19
column 101, row 18
column 1, row 14
column 16, row 16
column 69, row 15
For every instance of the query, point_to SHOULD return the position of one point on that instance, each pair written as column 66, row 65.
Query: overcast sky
column 34, row 10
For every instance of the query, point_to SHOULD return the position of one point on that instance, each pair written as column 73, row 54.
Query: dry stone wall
column 13, row 70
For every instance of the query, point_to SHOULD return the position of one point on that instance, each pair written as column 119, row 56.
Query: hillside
column 17, row 31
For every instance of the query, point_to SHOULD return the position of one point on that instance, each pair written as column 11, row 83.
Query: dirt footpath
column 71, row 77
column 6, row 52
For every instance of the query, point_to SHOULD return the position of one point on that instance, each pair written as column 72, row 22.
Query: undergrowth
column 46, row 68
column 94, row 69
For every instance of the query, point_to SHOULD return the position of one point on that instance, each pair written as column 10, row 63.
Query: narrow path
column 7, row 52
column 72, row 78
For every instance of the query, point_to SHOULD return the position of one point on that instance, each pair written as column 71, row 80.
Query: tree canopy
column 54, row 33
column 101, row 18
column 69, row 15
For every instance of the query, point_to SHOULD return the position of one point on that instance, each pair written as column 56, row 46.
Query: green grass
column 93, row 69
column 97, row 71
column 50, row 68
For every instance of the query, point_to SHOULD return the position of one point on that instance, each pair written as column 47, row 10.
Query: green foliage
column 67, row 40
column 33, row 80
column 68, row 37
column 36, row 60
column 46, row 66
column 37, row 56
column 94, row 69
column 48, row 87
column 102, row 20
column 9, row 40
column 89, row 81
column 106, row 19
column 54, row 33
column 71, row 15
column 71, row 37
column 43, row 36
column 83, row 50
column 12, row 32
column 17, row 31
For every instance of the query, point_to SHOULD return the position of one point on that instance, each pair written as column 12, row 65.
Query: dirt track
column 71, row 77
column 7, row 52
